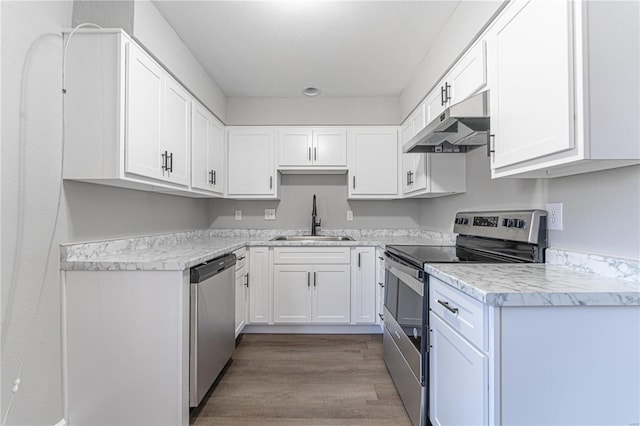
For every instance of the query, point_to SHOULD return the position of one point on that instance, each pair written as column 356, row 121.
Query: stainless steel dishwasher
column 212, row 337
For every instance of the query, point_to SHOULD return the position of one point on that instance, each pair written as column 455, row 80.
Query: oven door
column 405, row 299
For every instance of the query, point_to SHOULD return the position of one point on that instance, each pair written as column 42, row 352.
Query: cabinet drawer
column 241, row 258
column 311, row 255
column 464, row 314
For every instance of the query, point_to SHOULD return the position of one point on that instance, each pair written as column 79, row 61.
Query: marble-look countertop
column 535, row 285
column 176, row 252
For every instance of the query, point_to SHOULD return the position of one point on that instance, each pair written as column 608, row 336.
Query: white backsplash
column 614, row 267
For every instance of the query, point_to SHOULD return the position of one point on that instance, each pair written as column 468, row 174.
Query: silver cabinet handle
column 211, row 177
column 354, row 182
column 164, row 162
column 314, row 279
column 270, row 182
column 359, row 259
column 447, row 307
column 381, row 258
column 241, row 258
column 309, row 153
column 442, row 95
column 381, row 285
column 170, row 162
column 315, row 153
column 447, row 86
column 246, row 280
column 214, row 177
column 308, row 279
column 381, row 317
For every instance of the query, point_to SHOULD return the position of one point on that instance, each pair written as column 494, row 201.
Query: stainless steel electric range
column 483, row 237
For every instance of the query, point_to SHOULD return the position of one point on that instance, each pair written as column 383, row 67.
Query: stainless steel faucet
column 314, row 221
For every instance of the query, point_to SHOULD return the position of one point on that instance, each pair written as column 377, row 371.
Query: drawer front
column 312, row 255
column 464, row 314
column 241, row 258
column 410, row 353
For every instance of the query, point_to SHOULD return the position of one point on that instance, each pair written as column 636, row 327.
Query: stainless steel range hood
column 460, row 128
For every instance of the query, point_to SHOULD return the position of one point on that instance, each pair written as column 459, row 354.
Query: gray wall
column 293, row 210
column 30, row 169
column 601, row 209
column 313, row 111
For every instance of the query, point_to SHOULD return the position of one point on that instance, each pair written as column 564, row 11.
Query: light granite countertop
column 176, row 252
column 535, row 285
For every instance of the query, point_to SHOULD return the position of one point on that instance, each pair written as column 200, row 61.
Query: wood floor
column 289, row 379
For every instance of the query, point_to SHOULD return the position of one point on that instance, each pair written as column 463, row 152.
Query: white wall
column 314, row 111
column 601, row 209
column 155, row 33
column 141, row 20
column 465, row 24
column 31, row 146
column 293, row 211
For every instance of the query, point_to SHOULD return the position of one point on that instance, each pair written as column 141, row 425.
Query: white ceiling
column 276, row 48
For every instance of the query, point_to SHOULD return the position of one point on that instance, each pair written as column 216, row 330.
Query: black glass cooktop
column 419, row 255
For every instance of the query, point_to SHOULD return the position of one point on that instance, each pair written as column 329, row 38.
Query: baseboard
column 312, row 329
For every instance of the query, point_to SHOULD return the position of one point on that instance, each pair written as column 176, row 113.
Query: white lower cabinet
column 567, row 364
column 260, row 268
column 311, row 285
column 311, row 293
column 241, row 289
column 458, row 378
column 364, row 285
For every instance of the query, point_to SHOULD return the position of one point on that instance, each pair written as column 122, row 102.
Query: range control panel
column 520, row 225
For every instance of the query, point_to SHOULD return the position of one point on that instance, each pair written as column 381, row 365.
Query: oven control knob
column 505, row 222
column 465, row 220
column 518, row 223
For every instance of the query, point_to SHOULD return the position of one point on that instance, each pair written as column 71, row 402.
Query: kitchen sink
column 312, row 238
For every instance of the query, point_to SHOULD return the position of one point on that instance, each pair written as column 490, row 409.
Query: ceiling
column 277, row 48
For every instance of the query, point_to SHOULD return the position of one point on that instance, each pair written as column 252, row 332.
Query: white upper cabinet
column 144, row 115
column 207, row 151
column 312, row 148
column 251, row 164
column 128, row 122
column 176, row 135
column 373, row 162
column 467, row 77
column 556, row 108
column 158, row 121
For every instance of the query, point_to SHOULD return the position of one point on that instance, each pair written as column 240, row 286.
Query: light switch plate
column 269, row 214
column 238, row 214
column 349, row 215
column 554, row 216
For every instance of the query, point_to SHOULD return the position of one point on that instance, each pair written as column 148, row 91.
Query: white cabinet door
column 176, row 134
column 259, row 276
column 292, row 294
column 251, row 162
column 458, row 378
column 435, row 102
column 418, row 119
column 241, row 299
column 469, row 74
column 143, row 115
column 217, row 157
column 330, row 147
column 207, row 151
column 373, row 162
column 364, row 289
column 331, row 294
column 531, row 79
column 294, row 147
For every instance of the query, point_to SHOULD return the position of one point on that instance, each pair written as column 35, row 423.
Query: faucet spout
column 315, row 222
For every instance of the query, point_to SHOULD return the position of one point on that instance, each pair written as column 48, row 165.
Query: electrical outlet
column 238, row 214
column 269, row 214
column 349, row 215
column 554, row 216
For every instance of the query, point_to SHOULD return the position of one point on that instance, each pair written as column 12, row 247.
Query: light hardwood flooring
column 289, row 379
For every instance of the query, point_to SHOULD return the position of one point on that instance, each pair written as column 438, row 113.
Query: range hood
column 460, row 128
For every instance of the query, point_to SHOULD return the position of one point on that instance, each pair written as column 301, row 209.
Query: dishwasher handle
column 211, row 268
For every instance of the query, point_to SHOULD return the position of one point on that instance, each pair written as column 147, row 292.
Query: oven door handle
column 408, row 279
column 413, row 272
